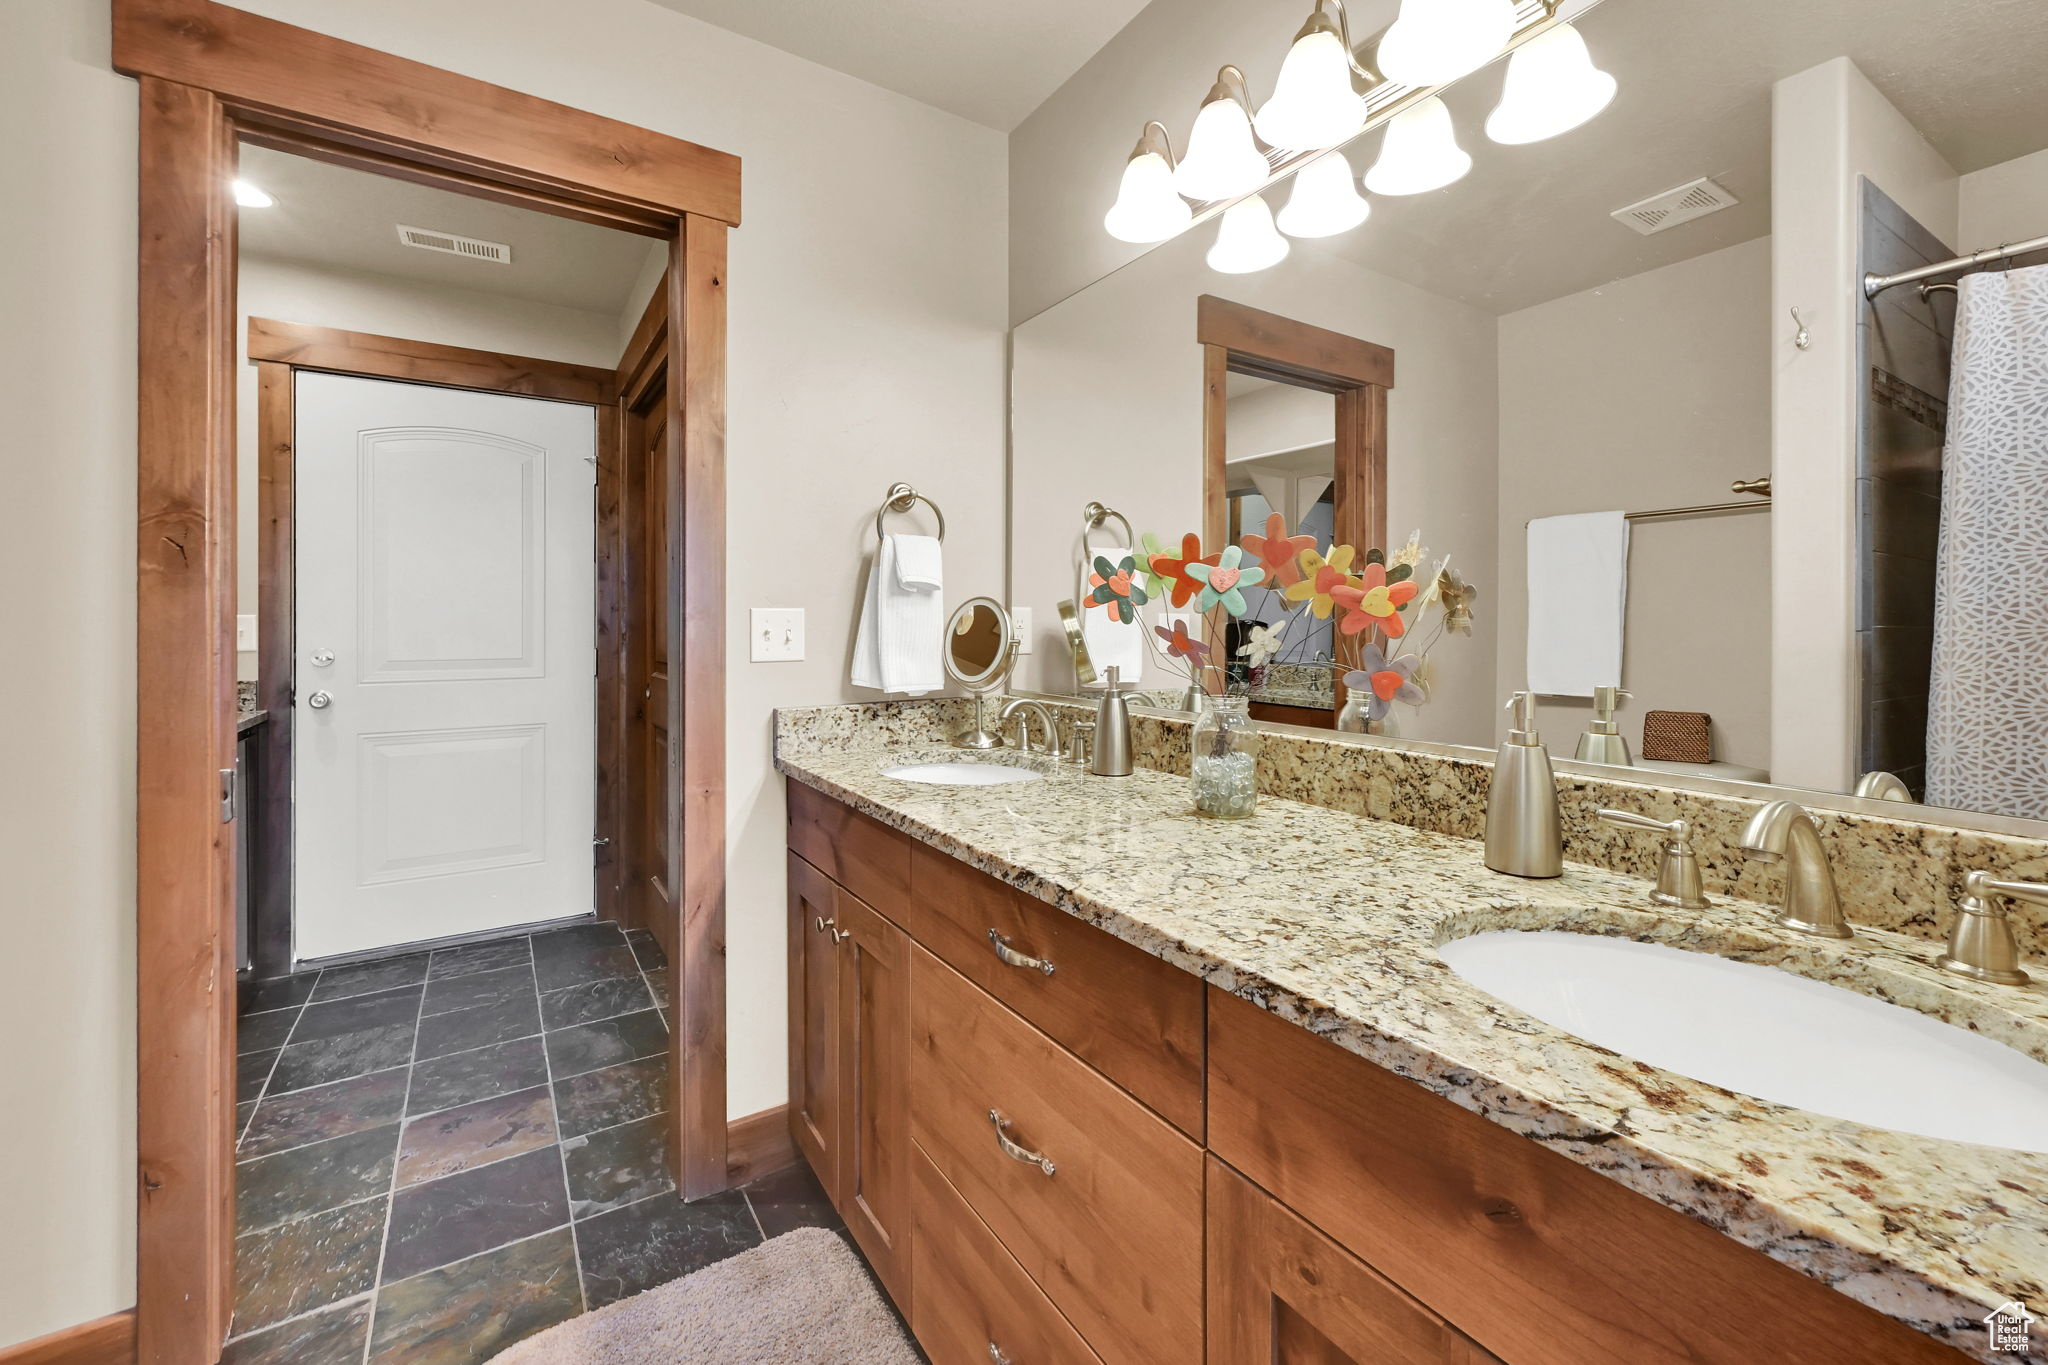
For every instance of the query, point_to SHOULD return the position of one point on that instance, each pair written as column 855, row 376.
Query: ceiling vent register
column 448, row 243
column 1695, row 199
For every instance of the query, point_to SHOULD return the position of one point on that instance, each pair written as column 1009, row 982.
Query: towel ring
column 1093, row 515
column 901, row 497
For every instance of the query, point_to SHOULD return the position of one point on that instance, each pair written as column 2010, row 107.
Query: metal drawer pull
column 1015, row 958
column 995, row 1353
column 1012, row 1150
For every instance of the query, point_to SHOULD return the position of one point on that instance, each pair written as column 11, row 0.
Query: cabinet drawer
column 865, row 856
column 974, row 1302
column 1112, row 1231
column 1536, row 1258
column 1124, row 1012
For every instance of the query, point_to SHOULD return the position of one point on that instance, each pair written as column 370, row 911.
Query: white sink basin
column 1767, row 1033
column 962, row 774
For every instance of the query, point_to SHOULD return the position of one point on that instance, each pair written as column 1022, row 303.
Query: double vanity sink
column 1842, row 1107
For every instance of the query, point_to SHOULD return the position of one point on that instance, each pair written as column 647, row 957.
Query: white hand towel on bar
column 901, row 629
column 1578, row 600
column 1113, row 643
column 920, row 563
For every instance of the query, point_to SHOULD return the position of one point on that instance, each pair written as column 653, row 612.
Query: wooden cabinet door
column 1281, row 1293
column 874, row 1090
column 814, row 1062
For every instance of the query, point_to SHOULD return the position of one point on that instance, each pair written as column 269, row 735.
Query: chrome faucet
column 1783, row 831
column 1045, row 720
column 1981, row 944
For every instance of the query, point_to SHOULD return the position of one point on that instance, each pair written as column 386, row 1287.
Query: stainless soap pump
column 1112, row 756
column 1603, row 741
column 1524, row 837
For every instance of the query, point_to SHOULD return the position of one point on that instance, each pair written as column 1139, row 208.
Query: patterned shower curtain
column 1987, row 708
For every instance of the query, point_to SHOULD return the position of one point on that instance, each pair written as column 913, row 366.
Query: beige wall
column 360, row 301
column 2003, row 203
column 1652, row 391
column 1829, row 126
column 866, row 345
column 1106, row 400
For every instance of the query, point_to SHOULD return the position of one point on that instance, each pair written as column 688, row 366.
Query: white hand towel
column 1578, row 600
column 920, row 563
column 1112, row 643
column 901, row 631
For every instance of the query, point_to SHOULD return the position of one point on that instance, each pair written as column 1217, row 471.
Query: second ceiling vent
column 1695, row 199
column 475, row 248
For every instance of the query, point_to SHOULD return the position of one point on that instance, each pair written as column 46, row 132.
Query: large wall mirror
column 1645, row 408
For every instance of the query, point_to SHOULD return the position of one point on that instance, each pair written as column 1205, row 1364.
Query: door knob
column 320, row 701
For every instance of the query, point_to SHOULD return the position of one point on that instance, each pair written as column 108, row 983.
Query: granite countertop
column 1331, row 921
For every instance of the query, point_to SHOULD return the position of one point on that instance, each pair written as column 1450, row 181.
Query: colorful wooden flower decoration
column 1175, row 571
column 1278, row 553
column 1180, row 644
column 1116, row 588
column 1260, row 646
column 1457, row 596
column 1318, row 576
column 1224, row 581
column 1386, row 683
column 1157, row 583
column 1375, row 601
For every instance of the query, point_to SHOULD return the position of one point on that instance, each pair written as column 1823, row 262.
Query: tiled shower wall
column 1903, row 340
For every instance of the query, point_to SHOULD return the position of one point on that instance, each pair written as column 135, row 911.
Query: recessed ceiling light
column 252, row 196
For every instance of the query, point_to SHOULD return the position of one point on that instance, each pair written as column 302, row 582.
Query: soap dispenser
column 1112, row 756
column 1603, row 741
column 1524, row 836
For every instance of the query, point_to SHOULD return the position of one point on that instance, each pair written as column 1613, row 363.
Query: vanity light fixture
column 1222, row 160
column 252, row 196
column 1552, row 87
column 1147, row 209
column 1315, row 102
column 1325, row 201
column 1420, row 153
column 1246, row 239
column 1436, row 41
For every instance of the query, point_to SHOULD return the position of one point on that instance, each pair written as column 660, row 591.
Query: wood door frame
column 1239, row 339
column 280, row 351
column 211, row 75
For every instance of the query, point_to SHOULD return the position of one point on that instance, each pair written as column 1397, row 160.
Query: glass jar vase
column 1225, row 769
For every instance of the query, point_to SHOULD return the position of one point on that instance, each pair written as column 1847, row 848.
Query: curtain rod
column 1874, row 284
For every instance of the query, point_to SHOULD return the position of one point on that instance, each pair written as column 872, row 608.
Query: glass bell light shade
column 1222, row 160
column 1420, row 153
column 1552, row 87
column 1325, row 201
column 1313, row 104
column 1436, row 41
column 1147, row 209
column 1246, row 239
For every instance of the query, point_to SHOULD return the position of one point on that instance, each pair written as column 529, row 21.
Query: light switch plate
column 1020, row 626
column 245, row 633
column 778, row 634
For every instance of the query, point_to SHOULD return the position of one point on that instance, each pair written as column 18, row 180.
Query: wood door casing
column 646, row 494
column 814, row 1070
column 874, row 1089
column 1282, row 1293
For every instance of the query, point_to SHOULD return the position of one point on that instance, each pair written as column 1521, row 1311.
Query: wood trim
column 608, row 866
column 1215, row 441
column 756, row 1145
column 1296, row 352
column 418, row 113
column 185, row 725
column 103, row 1341
column 646, row 354
column 276, row 647
column 696, row 436
column 310, row 347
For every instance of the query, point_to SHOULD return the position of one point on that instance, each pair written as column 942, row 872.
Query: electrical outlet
column 778, row 634
column 245, row 633
column 1020, row 625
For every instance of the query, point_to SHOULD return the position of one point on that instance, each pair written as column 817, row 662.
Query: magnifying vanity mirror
column 1626, row 388
column 980, row 651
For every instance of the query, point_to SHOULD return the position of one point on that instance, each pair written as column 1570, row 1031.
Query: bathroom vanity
column 1093, row 1080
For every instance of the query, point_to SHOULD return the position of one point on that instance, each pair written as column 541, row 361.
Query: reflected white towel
column 1578, row 599
column 1112, row 643
column 920, row 563
column 901, row 630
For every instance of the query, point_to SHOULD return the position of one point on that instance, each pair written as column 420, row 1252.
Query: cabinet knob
column 824, row 924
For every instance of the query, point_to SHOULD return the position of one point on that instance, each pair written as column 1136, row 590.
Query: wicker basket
column 1678, row 736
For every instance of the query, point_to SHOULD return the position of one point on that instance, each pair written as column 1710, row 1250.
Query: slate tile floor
column 444, row 1152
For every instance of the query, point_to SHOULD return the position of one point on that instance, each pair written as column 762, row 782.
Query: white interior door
column 445, row 727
